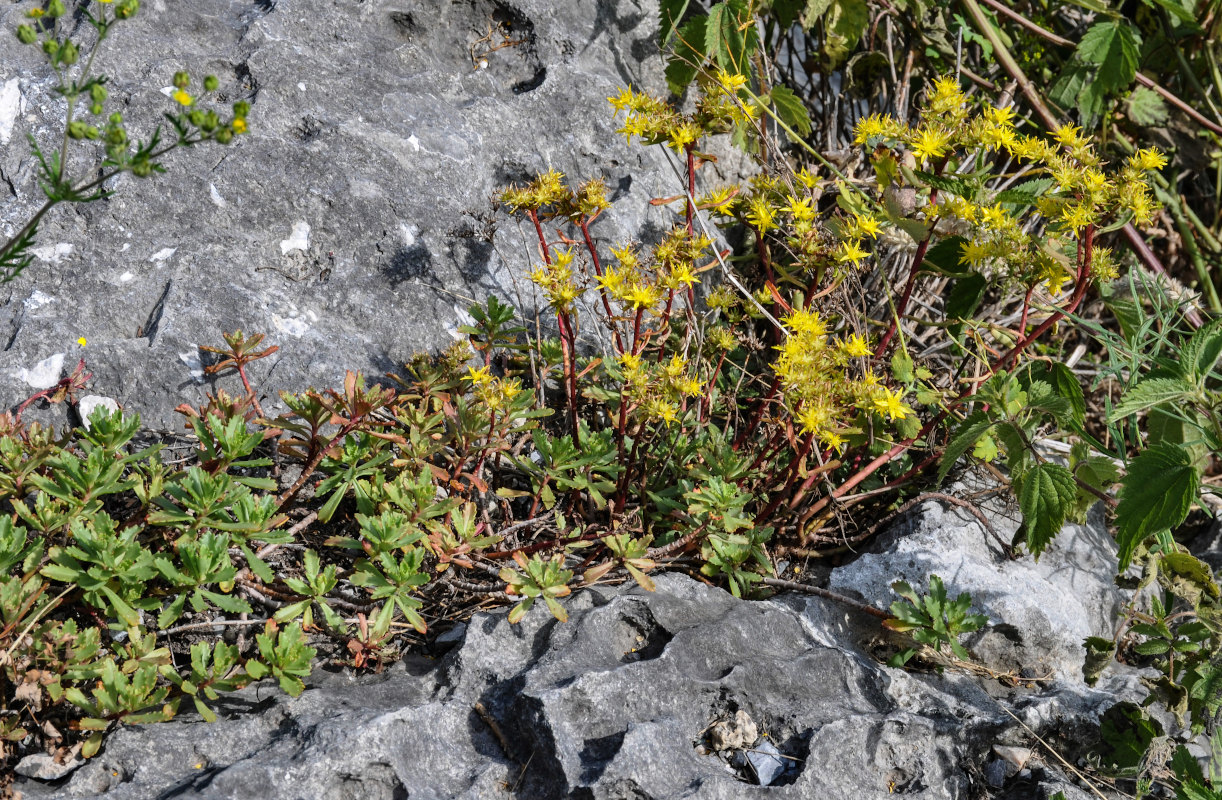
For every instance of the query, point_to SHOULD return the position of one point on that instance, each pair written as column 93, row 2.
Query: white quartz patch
column 216, row 196
column 44, row 374
column 11, row 106
column 301, row 87
column 295, row 323
column 52, row 253
column 414, row 142
column 37, row 299
column 409, row 233
column 299, row 239
column 194, row 365
column 463, row 318
column 92, row 402
column 125, row 277
column 163, row 254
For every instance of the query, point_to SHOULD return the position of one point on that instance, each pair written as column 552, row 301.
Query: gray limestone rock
column 624, row 700
column 353, row 223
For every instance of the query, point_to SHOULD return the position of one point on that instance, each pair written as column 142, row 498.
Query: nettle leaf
column 671, row 12
column 1025, row 193
column 970, row 430
column 688, row 56
column 965, row 296
column 1202, row 351
column 846, row 24
column 944, row 257
column 1113, row 46
column 1047, row 494
column 1146, row 107
column 791, row 109
column 1155, row 495
column 1149, row 393
column 725, row 39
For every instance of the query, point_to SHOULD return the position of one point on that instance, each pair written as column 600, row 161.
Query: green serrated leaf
column 945, row 257
column 966, row 436
column 1048, row 491
column 791, row 109
column 1149, row 393
column 1114, row 46
column 1155, row 495
column 688, row 55
column 965, row 296
column 1146, row 107
column 1202, row 351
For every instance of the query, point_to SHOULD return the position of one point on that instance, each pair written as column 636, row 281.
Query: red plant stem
column 254, row 400
column 637, row 346
column 602, row 290
column 691, row 187
column 905, row 297
column 479, row 465
column 706, row 402
column 790, row 472
column 756, row 414
column 1022, row 323
column 534, row 217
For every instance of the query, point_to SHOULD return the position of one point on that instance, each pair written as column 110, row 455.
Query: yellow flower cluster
column 813, row 369
column 636, row 285
column 659, row 389
column 496, row 393
column 654, row 121
column 547, row 189
column 1081, row 194
column 557, row 281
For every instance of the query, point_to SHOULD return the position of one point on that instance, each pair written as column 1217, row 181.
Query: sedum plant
column 86, row 119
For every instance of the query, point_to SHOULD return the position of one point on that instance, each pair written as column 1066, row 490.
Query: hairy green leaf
column 791, row 109
column 1047, row 494
column 1155, row 495
column 1149, row 393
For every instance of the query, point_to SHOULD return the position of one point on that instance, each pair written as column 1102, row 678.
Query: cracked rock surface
column 352, row 224
column 632, row 699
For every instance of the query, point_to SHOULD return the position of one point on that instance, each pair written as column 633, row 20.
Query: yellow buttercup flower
column 82, row 341
column 183, row 98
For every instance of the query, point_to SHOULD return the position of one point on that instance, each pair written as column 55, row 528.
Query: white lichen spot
column 92, row 402
column 125, row 277
column 299, row 239
column 37, row 299
column 409, row 233
column 12, row 105
column 126, row 246
column 194, row 365
column 216, row 196
column 44, row 374
column 301, row 87
column 163, row 254
column 52, row 253
column 414, row 142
